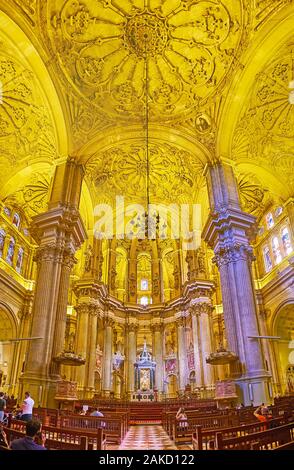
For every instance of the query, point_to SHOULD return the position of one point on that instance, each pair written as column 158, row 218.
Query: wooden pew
column 114, row 425
column 184, row 434
column 63, row 439
column 204, row 439
column 113, row 428
column 264, row 440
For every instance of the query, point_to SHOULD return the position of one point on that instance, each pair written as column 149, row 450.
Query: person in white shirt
column 27, row 407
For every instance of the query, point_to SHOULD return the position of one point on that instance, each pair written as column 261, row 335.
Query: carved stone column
column 197, row 346
column 131, row 357
column 202, row 308
column 107, row 355
column 226, row 231
column 91, row 350
column 157, row 330
column 182, row 353
column 67, row 264
column 25, row 316
column 82, row 310
column 59, row 231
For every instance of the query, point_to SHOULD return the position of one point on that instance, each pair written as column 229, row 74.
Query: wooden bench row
column 263, row 440
column 205, row 439
column 65, row 439
column 114, row 425
column 248, row 437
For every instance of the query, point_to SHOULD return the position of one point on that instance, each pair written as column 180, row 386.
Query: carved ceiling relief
column 175, row 174
column 265, row 132
column 103, row 48
column 33, row 196
column 25, row 128
column 254, row 197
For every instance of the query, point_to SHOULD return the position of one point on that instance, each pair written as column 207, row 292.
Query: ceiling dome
column 107, row 48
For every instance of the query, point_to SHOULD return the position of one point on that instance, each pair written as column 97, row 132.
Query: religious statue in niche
column 88, row 259
column 132, row 284
column 100, row 263
column 117, row 360
column 200, row 260
column 113, row 274
column 98, row 359
column 144, row 379
column 176, row 278
column 155, row 284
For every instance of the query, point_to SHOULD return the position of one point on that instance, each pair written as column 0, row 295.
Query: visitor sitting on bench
column 181, row 417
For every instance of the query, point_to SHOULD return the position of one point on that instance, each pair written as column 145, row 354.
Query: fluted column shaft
column 60, row 321
column 132, row 356
column 91, row 355
column 197, row 350
column 182, row 355
column 205, row 335
column 107, row 356
column 39, row 354
column 81, row 341
column 158, row 353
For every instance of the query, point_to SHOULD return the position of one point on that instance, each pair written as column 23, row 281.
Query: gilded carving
column 254, row 197
column 33, row 196
column 25, row 127
column 189, row 48
column 174, row 173
column 265, row 132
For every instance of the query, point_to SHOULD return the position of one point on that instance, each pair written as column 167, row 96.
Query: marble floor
column 146, row 437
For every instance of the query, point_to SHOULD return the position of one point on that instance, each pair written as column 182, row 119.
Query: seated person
column 181, row 417
column 96, row 412
column 33, row 426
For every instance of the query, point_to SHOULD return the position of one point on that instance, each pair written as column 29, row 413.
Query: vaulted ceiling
column 81, row 77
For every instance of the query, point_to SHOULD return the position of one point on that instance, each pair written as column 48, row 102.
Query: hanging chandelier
column 151, row 220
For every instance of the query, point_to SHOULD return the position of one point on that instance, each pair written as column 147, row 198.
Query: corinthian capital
column 48, row 253
column 69, row 259
column 199, row 308
column 108, row 321
column 157, row 326
column 233, row 252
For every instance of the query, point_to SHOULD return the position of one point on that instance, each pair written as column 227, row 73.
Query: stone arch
column 8, row 330
column 282, row 325
column 171, row 383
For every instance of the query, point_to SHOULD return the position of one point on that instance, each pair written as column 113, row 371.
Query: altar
column 144, row 376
